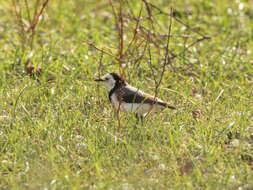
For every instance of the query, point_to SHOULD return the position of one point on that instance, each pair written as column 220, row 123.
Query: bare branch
column 36, row 18
column 101, row 50
column 176, row 19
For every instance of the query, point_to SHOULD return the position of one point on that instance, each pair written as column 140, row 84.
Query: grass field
column 58, row 129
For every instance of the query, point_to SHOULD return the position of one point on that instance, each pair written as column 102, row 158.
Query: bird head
column 110, row 80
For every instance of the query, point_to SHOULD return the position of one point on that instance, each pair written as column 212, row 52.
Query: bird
column 125, row 97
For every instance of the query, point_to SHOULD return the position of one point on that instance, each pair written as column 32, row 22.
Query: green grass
column 63, row 133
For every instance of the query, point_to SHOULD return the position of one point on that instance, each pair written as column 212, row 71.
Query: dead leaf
column 32, row 70
column 187, row 167
column 196, row 114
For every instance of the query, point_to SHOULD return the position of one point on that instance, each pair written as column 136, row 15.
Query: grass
column 63, row 134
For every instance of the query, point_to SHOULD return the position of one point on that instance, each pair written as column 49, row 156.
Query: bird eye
column 106, row 78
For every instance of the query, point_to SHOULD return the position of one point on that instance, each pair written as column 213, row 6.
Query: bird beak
column 98, row 80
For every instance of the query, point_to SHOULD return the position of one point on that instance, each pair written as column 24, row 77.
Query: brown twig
column 121, row 38
column 100, row 6
column 28, row 11
column 167, row 59
column 150, row 64
column 118, row 115
column 100, row 64
column 20, row 23
column 36, row 18
column 27, row 35
column 188, row 47
column 149, row 11
column 174, row 17
column 119, row 22
column 135, row 31
column 120, row 54
column 101, row 50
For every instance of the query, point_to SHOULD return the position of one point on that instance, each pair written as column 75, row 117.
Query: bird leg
column 140, row 118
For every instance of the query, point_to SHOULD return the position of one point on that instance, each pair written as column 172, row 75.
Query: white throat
column 110, row 85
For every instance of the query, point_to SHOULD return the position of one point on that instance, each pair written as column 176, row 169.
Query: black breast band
column 117, row 85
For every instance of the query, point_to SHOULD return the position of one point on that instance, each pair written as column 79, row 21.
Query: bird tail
column 164, row 104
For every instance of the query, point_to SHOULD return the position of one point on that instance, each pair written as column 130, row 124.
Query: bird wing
column 134, row 95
